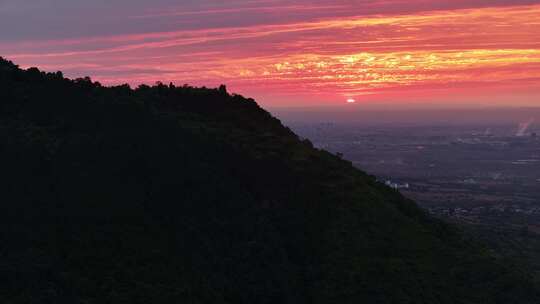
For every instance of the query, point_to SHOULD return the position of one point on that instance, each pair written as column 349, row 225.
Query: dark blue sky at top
column 59, row 19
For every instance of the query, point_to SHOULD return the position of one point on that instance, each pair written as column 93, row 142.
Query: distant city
column 480, row 174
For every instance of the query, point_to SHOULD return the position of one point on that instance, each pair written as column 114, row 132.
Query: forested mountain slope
column 171, row 194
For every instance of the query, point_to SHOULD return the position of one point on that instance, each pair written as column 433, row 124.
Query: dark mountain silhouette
column 169, row 194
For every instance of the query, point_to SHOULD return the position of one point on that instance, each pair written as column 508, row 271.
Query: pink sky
column 296, row 53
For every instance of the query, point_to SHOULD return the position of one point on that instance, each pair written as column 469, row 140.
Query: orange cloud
column 325, row 59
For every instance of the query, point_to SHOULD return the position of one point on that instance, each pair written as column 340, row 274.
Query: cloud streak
column 318, row 59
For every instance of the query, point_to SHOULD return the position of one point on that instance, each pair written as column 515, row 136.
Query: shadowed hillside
column 171, row 194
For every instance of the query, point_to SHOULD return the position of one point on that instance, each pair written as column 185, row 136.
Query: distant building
column 470, row 181
column 396, row 186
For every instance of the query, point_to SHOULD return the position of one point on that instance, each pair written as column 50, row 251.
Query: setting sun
column 306, row 53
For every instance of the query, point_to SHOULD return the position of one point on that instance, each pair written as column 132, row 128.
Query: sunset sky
column 291, row 53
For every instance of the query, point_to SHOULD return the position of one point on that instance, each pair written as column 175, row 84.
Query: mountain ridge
column 166, row 194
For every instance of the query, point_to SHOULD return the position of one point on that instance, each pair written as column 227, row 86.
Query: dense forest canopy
column 176, row 194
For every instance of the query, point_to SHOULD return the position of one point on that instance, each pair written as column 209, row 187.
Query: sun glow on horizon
column 460, row 52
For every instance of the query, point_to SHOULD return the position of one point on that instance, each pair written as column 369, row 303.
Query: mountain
column 170, row 194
